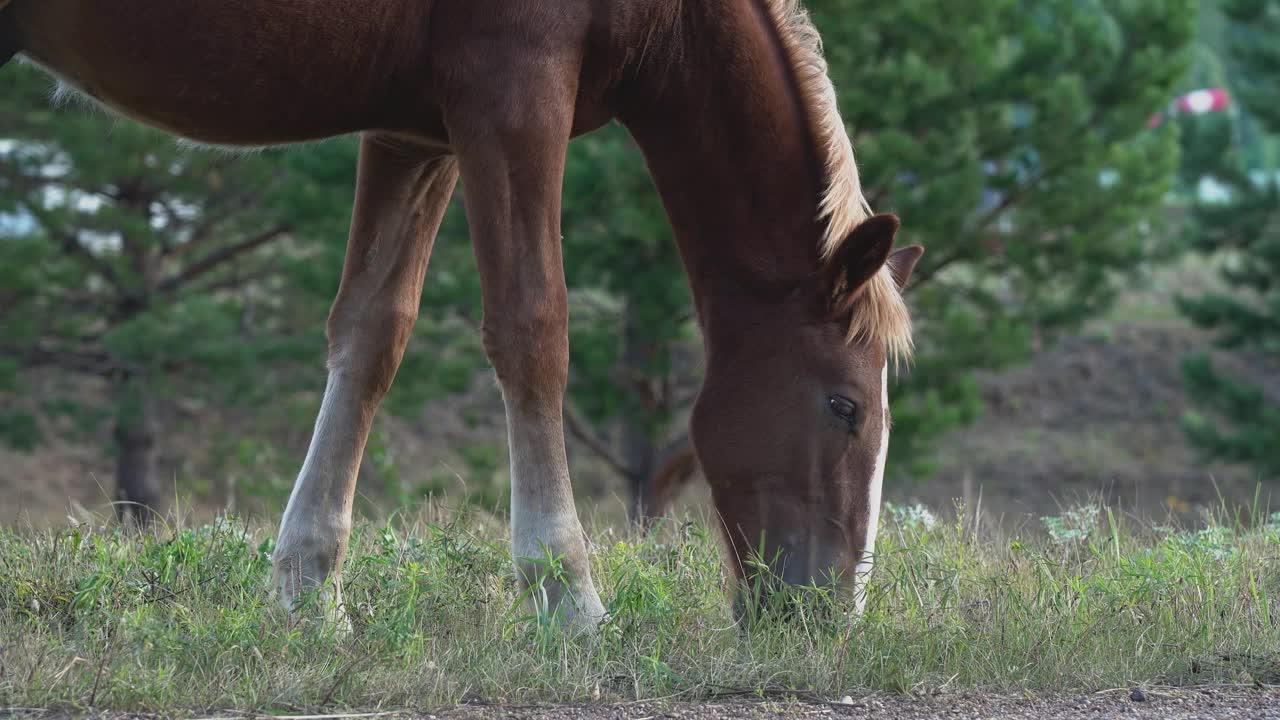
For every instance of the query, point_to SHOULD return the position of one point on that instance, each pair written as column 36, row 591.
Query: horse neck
column 724, row 131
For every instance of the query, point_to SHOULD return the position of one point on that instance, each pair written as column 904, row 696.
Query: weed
column 181, row 621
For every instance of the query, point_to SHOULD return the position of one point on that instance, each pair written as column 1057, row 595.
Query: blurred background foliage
column 165, row 304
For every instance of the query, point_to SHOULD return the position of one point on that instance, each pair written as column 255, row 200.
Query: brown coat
column 796, row 291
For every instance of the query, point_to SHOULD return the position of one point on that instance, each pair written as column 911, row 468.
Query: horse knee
column 370, row 346
column 528, row 346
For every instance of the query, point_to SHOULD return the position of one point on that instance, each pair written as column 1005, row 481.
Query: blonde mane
column 880, row 313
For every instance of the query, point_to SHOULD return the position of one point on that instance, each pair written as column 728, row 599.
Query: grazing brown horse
column 797, row 286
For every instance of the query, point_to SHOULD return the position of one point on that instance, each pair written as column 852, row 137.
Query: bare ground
column 1217, row 703
column 1093, row 417
column 1171, row 704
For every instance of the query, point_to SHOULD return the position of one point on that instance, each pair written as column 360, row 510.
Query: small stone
column 1137, row 695
column 846, row 700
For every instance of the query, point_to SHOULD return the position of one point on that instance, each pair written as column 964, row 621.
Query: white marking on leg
column 863, row 571
column 543, row 516
column 327, row 466
column 540, row 510
column 318, row 515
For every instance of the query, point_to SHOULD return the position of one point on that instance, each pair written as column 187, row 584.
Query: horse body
column 229, row 73
column 243, row 74
column 728, row 100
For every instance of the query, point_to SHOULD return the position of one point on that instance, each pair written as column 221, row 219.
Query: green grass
column 107, row 619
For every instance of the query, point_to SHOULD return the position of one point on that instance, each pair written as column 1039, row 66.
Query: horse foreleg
column 512, row 153
column 401, row 198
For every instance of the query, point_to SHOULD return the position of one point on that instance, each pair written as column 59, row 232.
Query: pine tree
column 1010, row 136
column 1237, row 420
column 157, row 271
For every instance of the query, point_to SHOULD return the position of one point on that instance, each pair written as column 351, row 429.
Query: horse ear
column 902, row 262
column 862, row 255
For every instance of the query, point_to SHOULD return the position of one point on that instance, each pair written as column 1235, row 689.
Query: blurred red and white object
column 1196, row 102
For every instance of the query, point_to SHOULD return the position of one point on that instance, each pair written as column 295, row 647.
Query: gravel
column 1244, row 703
column 1216, row 703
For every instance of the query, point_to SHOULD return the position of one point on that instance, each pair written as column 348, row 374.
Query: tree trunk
column 138, row 494
column 639, row 454
column 639, row 451
column 675, row 468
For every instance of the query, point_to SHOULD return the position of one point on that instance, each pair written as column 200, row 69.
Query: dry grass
column 179, row 621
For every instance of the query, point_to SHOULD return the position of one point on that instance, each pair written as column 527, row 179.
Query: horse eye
column 843, row 408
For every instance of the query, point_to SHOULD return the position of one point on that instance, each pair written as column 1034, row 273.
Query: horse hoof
column 305, row 588
column 570, row 603
column 586, row 615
